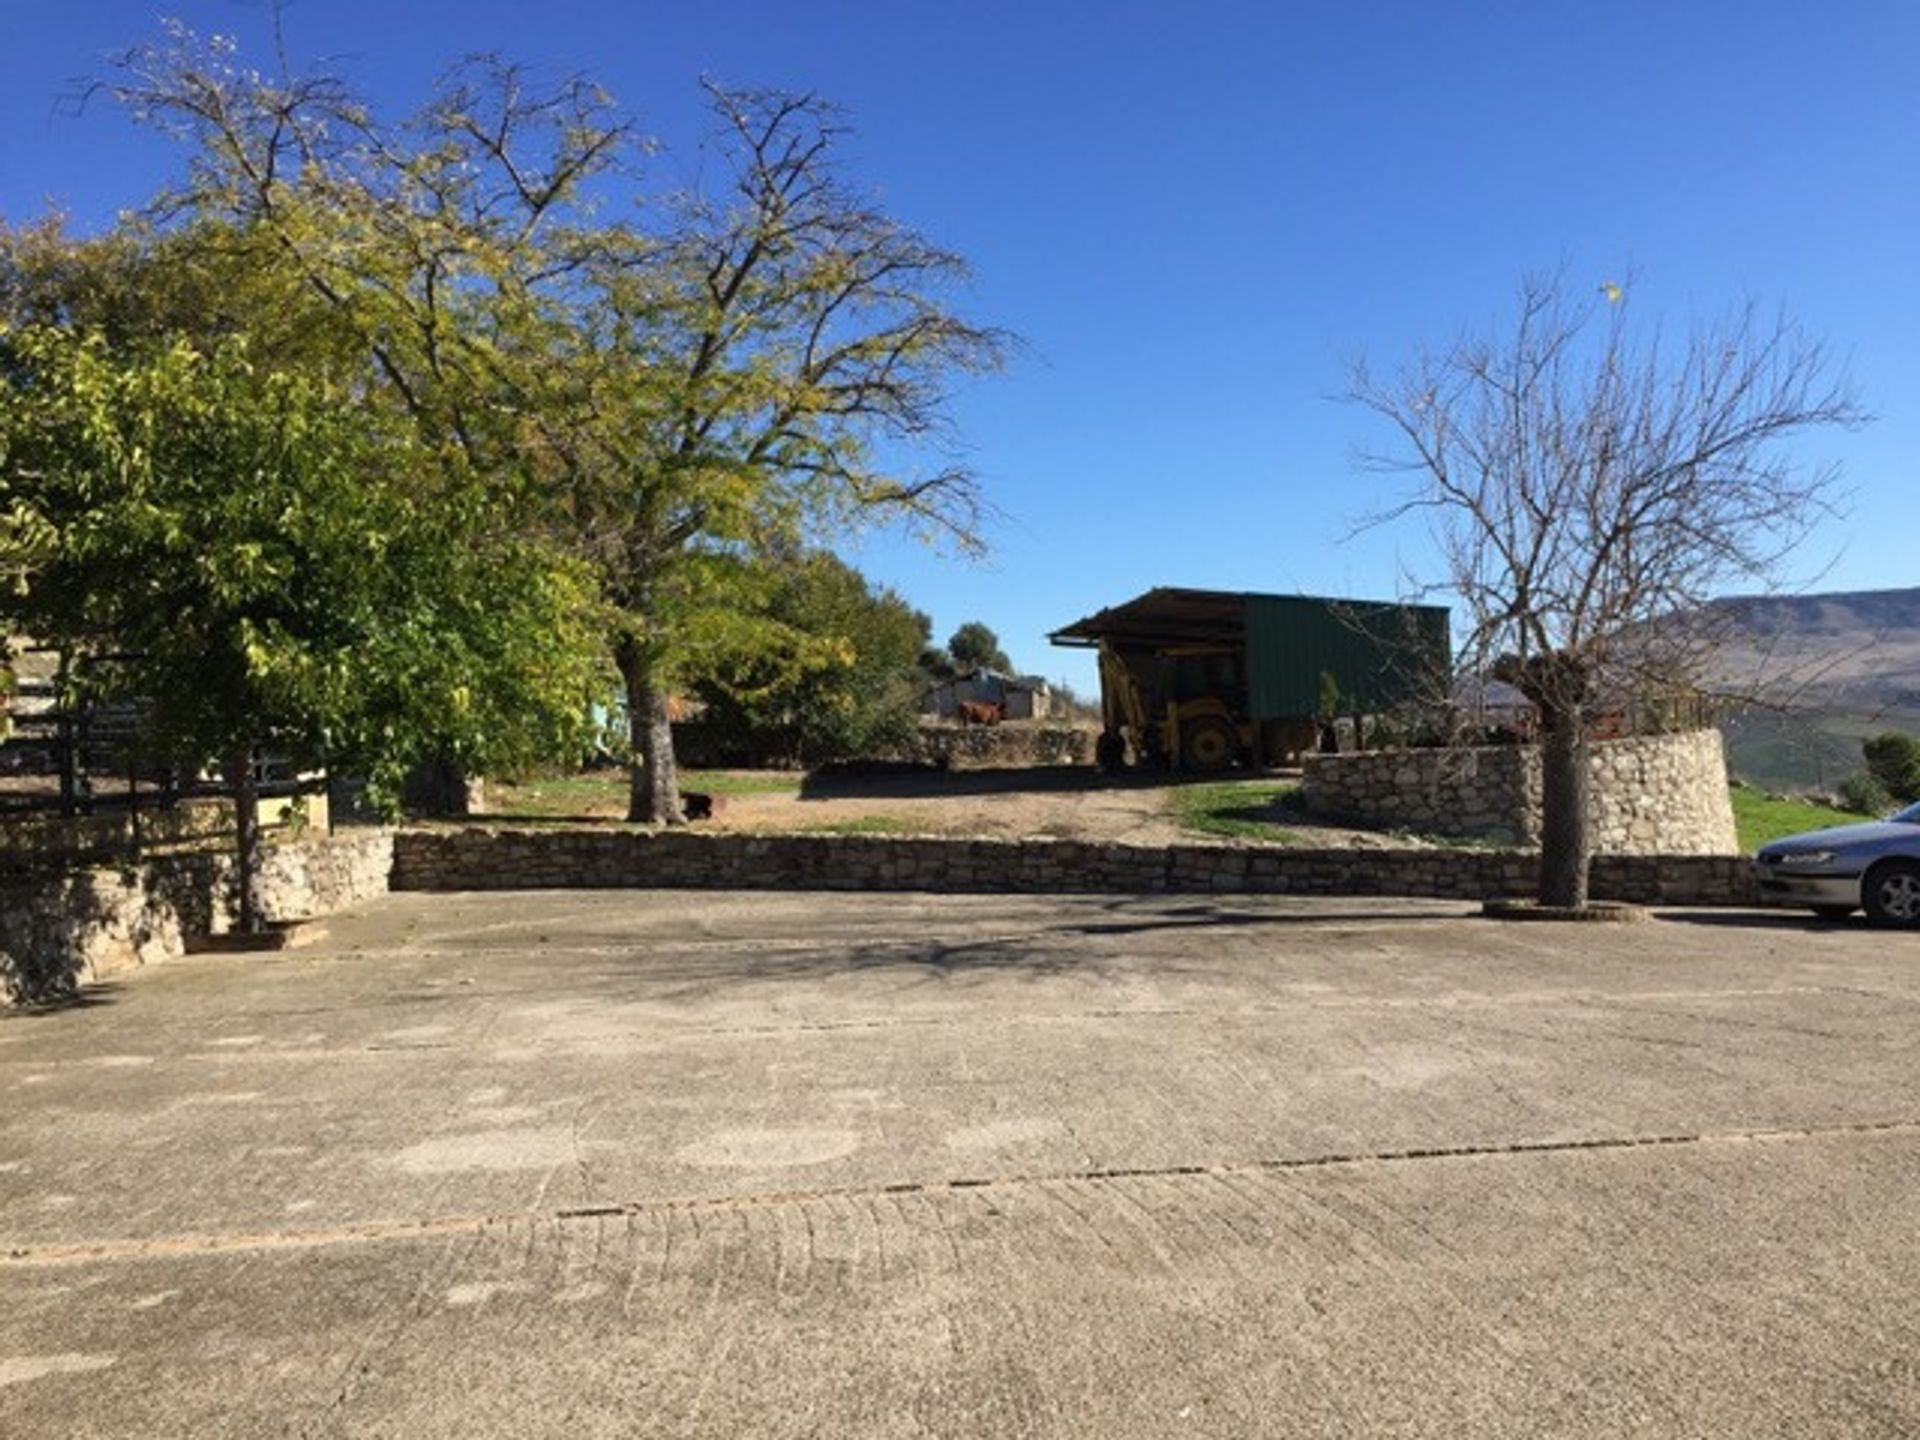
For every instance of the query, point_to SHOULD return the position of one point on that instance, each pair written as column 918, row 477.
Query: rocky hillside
column 1844, row 665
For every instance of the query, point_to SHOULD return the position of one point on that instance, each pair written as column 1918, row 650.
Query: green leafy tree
column 847, row 683
column 670, row 395
column 973, row 645
column 26, row 541
column 233, row 547
column 755, row 364
column 934, row 662
column 1893, row 759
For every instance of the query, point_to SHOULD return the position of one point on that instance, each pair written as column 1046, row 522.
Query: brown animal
column 980, row 712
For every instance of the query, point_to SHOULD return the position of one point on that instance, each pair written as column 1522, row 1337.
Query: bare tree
column 1590, row 489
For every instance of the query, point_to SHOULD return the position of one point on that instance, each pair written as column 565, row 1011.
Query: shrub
column 1893, row 759
column 1864, row 795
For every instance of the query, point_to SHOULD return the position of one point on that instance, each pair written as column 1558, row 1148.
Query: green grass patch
column 599, row 792
column 861, row 825
column 1439, row 841
column 1762, row 818
column 742, row 782
column 1232, row 809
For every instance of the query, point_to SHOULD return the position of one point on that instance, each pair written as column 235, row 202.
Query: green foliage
column 1863, row 794
column 1893, row 759
column 248, row 554
column 974, row 645
column 1328, row 705
column 671, row 386
column 841, row 683
column 935, row 664
column 26, row 541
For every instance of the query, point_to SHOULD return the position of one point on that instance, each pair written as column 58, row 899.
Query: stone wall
column 60, row 931
column 506, row 858
column 1013, row 744
column 1652, row 794
column 1017, row 744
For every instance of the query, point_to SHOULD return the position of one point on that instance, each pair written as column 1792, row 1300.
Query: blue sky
column 1195, row 214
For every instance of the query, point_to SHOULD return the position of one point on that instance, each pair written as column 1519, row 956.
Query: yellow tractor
column 1182, row 708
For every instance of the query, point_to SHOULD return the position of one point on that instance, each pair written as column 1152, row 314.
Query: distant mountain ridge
column 1861, row 647
column 1843, row 665
column 1836, row 611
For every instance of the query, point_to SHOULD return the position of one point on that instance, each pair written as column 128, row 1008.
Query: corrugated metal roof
column 1164, row 617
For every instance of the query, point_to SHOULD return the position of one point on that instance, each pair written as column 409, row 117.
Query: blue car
column 1873, row 866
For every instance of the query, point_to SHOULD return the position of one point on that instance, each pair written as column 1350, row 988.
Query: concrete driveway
column 790, row 1165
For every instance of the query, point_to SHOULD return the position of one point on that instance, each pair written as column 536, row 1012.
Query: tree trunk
column 246, row 817
column 1566, row 840
column 653, row 784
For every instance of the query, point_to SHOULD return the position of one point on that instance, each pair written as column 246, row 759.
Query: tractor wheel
column 1208, row 744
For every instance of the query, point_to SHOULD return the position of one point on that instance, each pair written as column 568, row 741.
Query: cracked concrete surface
column 663, row 1164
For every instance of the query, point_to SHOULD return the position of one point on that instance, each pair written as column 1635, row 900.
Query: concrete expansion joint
column 173, row 1246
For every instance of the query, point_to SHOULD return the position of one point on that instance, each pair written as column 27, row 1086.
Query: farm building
column 1017, row 697
column 1203, row 679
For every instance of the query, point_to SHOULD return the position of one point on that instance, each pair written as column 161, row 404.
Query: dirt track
column 1078, row 804
column 1060, row 802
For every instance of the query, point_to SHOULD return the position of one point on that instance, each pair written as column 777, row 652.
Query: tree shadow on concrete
column 1045, row 951
column 1209, row 916
column 932, row 784
column 1769, row 920
column 90, row 996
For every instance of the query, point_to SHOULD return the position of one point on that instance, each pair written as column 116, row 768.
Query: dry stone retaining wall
column 1012, row 745
column 1016, row 744
column 1652, row 794
column 59, row 931
column 489, row 858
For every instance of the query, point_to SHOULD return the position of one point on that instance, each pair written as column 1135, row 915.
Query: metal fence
column 79, row 782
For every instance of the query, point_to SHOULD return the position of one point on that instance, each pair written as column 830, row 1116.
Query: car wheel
column 1892, row 893
column 1834, row 912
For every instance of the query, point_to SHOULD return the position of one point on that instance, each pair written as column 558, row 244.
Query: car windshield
column 1908, row 816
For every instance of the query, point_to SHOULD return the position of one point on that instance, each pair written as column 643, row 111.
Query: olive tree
column 1590, row 487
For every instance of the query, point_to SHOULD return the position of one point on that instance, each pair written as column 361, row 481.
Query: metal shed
column 1231, row 665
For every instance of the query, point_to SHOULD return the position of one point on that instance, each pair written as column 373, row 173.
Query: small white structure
column 1019, row 697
